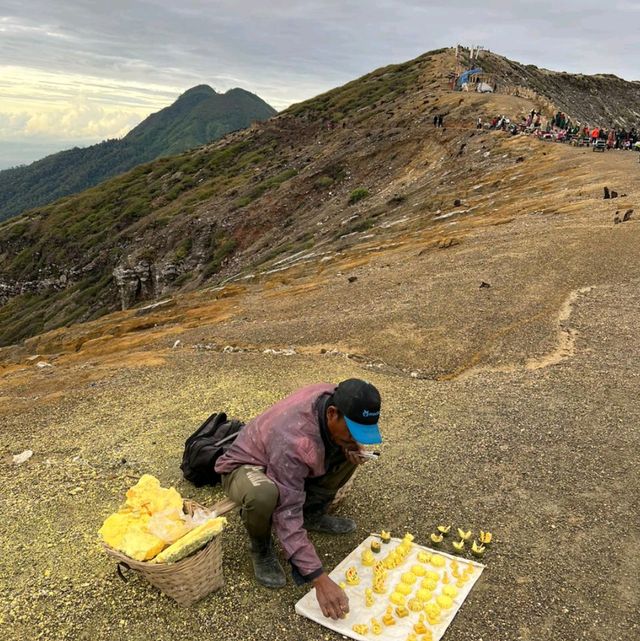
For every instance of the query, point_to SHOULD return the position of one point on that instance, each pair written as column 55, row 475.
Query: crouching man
column 284, row 469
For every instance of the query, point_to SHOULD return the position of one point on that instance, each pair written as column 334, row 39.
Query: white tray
column 308, row 606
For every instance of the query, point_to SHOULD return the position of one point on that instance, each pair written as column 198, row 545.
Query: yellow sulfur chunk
column 415, row 605
column 424, row 595
column 445, row 578
column 403, row 588
column 397, row 599
column 444, row 601
column 434, row 576
column 402, row 612
column 147, row 496
column 409, row 578
column 387, row 617
column 376, row 626
column 437, row 561
column 418, row 570
column 360, row 628
column 450, row 591
column 194, row 540
column 128, row 534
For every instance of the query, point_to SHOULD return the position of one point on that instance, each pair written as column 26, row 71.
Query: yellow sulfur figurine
column 424, row 595
column 420, row 627
column 351, row 576
column 427, row 636
column 360, row 628
column 369, row 599
column 450, row 591
column 418, row 569
column 376, row 626
column 437, row 561
column 387, row 617
column 402, row 612
column 423, row 556
column 397, row 599
column 415, row 605
column 409, row 578
column 367, row 558
column 429, row 583
column 403, row 588
column 444, row 601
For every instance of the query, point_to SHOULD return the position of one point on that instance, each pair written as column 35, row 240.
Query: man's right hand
column 331, row 597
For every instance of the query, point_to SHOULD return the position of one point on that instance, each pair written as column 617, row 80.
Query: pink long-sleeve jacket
column 286, row 441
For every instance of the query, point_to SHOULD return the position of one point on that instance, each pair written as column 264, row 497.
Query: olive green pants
column 257, row 494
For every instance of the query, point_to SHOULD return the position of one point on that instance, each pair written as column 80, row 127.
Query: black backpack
column 205, row 446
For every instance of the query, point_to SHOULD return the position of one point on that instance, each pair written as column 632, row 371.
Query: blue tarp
column 464, row 76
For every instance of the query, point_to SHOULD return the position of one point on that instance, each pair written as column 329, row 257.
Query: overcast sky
column 79, row 71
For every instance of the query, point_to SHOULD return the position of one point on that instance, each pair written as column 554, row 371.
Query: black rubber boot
column 266, row 567
column 329, row 524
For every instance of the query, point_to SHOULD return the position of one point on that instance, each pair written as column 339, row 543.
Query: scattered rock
column 43, row 364
column 448, row 242
column 457, row 202
column 607, row 195
column 19, row 459
column 627, row 215
column 614, row 194
column 616, row 220
column 484, row 285
column 520, row 159
column 176, row 344
column 352, row 279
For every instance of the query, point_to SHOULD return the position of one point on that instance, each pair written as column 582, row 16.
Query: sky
column 76, row 72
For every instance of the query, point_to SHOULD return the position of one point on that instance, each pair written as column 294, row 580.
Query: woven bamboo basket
column 187, row 580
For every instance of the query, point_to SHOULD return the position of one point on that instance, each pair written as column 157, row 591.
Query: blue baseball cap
column 359, row 402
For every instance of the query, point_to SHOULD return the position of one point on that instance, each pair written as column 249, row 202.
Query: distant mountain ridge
column 198, row 116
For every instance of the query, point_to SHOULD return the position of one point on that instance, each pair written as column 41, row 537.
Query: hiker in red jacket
column 284, row 469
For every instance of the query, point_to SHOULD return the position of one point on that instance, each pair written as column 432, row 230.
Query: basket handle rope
column 119, row 566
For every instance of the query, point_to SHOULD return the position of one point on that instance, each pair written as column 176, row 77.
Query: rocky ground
column 511, row 408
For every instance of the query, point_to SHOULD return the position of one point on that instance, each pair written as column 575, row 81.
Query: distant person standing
column 440, row 119
column 435, row 120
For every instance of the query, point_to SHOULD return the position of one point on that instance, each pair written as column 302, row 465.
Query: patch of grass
column 223, row 248
column 358, row 194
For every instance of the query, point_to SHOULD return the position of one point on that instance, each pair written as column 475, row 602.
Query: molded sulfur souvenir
column 404, row 588
column 420, row 627
column 429, row 583
column 375, row 546
column 444, row 529
column 437, row 561
column 385, row 536
column 450, row 591
column 402, row 612
column 351, row 576
column 465, row 536
column 477, row 550
column 376, row 626
column 415, row 605
column 423, row 556
column 369, row 599
column 387, row 617
column 367, row 558
column 418, row 569
column 408, row 577
column 360, row 628
column 458, row 546
column 424, row 595
column 444, row 601
column 485, row 537
column 397, row 598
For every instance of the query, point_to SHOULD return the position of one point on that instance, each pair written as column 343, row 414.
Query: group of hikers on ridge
column 562, row 129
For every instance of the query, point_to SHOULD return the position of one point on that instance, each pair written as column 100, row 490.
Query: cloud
column 80, row 68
